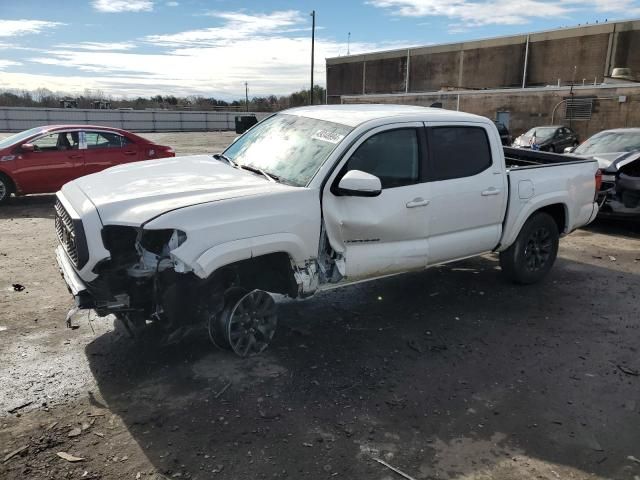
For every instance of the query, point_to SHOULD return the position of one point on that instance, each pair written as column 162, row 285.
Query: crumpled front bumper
column 622, row 196
column 76, row 286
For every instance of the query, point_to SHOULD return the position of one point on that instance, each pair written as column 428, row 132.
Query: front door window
column 59, row 141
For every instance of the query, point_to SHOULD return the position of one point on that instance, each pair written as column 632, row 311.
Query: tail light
column 598, row 181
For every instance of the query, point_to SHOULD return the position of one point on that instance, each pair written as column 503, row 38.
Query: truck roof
column 354, row 115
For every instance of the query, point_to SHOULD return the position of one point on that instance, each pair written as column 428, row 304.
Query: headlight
column 118, row 239
column 161, row 242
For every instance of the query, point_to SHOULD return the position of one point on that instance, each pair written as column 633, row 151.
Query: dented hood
column 135, row 193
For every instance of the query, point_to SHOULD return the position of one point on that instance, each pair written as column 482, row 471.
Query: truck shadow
column 442, row 373
column 30, row 206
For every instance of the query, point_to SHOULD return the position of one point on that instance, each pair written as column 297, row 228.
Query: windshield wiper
column 269, row 176
column 222, row 156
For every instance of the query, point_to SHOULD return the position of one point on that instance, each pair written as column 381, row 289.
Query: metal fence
column 16, row 119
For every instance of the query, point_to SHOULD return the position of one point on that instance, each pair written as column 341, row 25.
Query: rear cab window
column 457, row 152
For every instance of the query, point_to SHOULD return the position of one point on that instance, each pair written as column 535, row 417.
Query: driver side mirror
column 569, row 149
column 357, row 183
column 27, row 147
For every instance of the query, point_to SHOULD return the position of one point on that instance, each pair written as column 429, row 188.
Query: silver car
column 618, row 155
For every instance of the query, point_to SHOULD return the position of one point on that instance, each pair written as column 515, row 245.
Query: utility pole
column 349, row 43
column 313, row 41
column 246, row 95
column 573, row 81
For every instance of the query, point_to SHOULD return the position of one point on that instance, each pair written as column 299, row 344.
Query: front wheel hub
column 247, row 324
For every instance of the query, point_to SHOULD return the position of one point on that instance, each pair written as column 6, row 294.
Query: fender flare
column 555, row 198
column 247, row 248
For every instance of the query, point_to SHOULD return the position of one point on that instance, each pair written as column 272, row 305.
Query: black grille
column 71, row 236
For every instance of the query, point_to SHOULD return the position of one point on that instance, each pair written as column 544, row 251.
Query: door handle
column 490, row 191
column 75, row 156
column 130, row 153
column 417, row 202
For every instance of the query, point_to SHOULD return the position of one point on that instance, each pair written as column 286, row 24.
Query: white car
column 307, row 199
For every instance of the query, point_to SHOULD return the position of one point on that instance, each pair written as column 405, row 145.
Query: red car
column 42, row 159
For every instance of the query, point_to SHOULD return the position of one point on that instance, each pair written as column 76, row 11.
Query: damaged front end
column 142, row 283
column 621, row 187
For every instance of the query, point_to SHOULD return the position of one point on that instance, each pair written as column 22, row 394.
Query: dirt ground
column 451, row 373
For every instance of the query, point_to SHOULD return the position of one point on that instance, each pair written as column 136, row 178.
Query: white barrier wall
column 16, row 119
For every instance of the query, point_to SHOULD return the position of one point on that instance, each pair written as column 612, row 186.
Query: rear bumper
column 75, row 284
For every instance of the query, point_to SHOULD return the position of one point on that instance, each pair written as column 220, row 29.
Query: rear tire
column 6, row 189
column 534, row 252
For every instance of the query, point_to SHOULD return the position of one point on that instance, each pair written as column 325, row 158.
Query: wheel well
column 12, row 184
column 558, row 213
column 272, row 272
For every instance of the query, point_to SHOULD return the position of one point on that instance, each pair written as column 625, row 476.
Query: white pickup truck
column 307, row 199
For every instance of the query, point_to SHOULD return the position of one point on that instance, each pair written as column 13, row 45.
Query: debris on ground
column 224, row 389
column 633, row 459
column 413, row 346
column 74, row 432
column 20, row 407
column 398, row 471
column 628, row 371
column 69, row 458
column 17, row 287
column 612, row 258
column 12, row 454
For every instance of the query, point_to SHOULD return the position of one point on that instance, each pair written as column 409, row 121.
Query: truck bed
column 519, row 158
column 547, row 178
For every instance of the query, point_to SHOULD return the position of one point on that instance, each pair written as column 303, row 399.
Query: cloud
column 468, row 13
column 270, row 51
column 237, row 25
column 271, row 65
column 11, row 28
column 117, row 6
column 172, row 4
column 97, row 46
column 8, row 63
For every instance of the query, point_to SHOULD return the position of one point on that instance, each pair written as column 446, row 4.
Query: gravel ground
column 451, row 373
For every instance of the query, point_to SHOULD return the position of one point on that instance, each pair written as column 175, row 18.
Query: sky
column 130, row 48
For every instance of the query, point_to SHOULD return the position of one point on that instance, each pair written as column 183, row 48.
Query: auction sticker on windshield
column 326, row 136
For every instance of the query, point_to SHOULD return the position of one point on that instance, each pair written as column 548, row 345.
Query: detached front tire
column 534, row 252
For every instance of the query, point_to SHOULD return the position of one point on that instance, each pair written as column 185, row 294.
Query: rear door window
column 457, row 152
column 96, row 140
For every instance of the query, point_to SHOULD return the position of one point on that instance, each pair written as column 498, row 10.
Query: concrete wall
column 16, row 119
column 553, row 59
column 430, row 71
column 593, row 50
column 385, row 75
column 499, row 66
column 531, row 107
